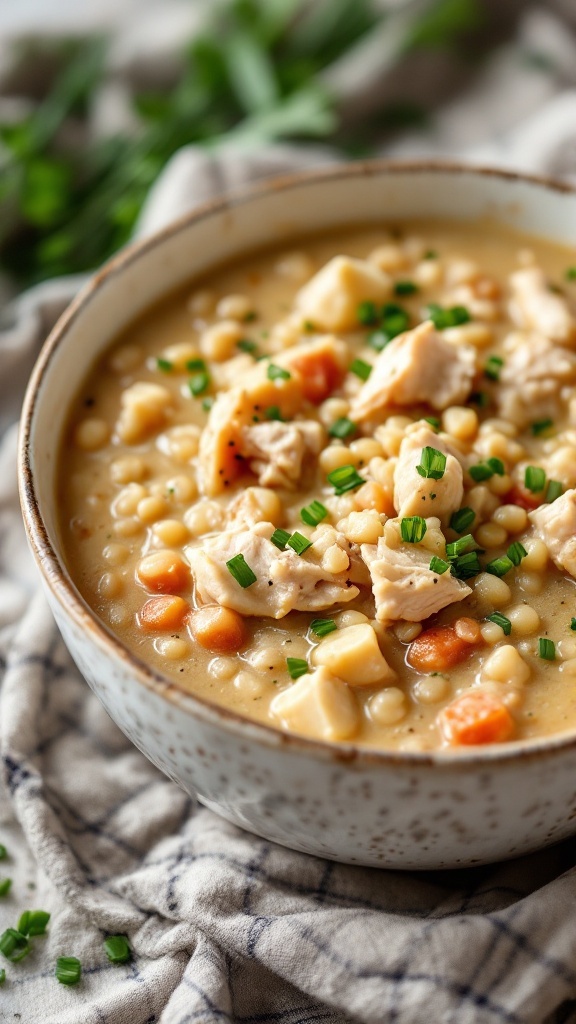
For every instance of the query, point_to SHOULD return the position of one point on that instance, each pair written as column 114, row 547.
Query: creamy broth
column 163, row 480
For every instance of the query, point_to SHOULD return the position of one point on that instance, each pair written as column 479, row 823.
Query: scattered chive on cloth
column 226, row 928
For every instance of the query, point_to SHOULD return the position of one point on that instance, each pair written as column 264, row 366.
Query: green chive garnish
column 430, row 254
column 571, row 274
column 501, row 621
column 438, row 565
column 345, row 478
column 361, row 369
column 199, row 383
column 500, row 566
column 465, row 566
column 405, row 288
column 33, row 922
column 516, row 552
column 480, row 398
column 443, row 318
column 2, row 975
column 241, row 571
column 553, row 491
column 432, row 464
column 277, row 372
column 247, row 345
column 541, row 426
column 117, row 949
column 68, row 970
column 207, row 403
column 433, row 421
column 546, row 649
column 461, row 546
column 496, row 465
column 534, row 479
column 485, row 470
column 367, row 313
column 322, row 627
column 3, row 852
column 342, row 428
column 193, row 365
column 273, row 413
column 299, row 543
column 493, row 367
column 395, row 320
column 313, row 513
column 13, row 945
column 280, row 538
column 309, row 326
column 5, row 886
column 573, row 624
column 462, row 519
column 296, row 667
column 413, row 529
column 165, row 365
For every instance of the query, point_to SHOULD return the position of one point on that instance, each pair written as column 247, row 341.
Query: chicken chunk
column 417, row 495
column 417, row 366
column 534, row 307
column 144, row 410
column 331, row 298
column 556, row 525
column 321, row 363
column 403, row 584
column 532, row 377
column 285, row 581
column 276, row 452
column 319, row 704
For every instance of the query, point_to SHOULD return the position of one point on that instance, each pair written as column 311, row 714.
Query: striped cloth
column 226, row 928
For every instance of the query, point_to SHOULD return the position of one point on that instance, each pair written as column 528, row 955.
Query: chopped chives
column 413, row 529
column 432, row 464
column 443, row 318
column 541, row 426
column 465, row 566
column 280, row 538
column 438, row 565
column 13, row 945
column 492, row 367
column 2, row 975
column 496, row 465
column 277, row 372
column 299, row 543
column 207, row 403
column 273, row 413
column 33, row 922
column 322, row 627
column 309, row 326
column 248, row 317
column 501, row 621
column 405, row 288
column 573, row 624
column 345, row 478
column 241, row 571
column 296, row 667
column 313, row 513
column 571, row 274
column 367, row 313
column 68, row 970
column 500, row 566
column 395, row 320
column 433, row 421
column 485, row 470
column 462, row 519
column 534, row 479
column 361, row 369
column 199, row 383
column 461, row 546
column 3, row 852
column 195, row 364
column 117, row 949
column 553, row 491
column 247, row 345
column 430, row 254
column 5, row 886
column 516, row 552
column 546, row 649
column 480, row 398
column 342, row 428
column 165, row 365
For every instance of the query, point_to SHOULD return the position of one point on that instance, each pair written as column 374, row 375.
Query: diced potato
column 331, row 299
column 506, row 665
column 318, row 705
column 353, row 654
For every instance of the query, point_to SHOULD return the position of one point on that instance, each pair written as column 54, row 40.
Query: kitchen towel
column 226, row 927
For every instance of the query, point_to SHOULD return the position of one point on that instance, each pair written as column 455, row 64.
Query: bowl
column 355, row 805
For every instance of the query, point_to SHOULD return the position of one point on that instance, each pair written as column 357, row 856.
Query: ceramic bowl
column 400, row 810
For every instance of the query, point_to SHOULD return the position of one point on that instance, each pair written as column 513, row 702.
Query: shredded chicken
column 330, row 299
column 417, row 495
column 403, row 584
column 417, row 366
column 276, row 451
column 534, row 307
column 556, row 525
column 532, row 377
column 285, row 581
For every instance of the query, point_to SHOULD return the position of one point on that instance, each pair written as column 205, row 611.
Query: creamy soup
column 332, row 487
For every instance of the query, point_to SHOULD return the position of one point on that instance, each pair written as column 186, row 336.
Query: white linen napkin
column 226, row 927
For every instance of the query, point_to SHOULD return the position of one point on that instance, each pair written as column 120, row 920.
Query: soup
column 332, row 487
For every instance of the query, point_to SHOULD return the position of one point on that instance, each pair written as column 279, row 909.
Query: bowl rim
column 61, row 584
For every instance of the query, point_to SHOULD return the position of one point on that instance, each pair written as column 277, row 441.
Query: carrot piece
column 217, row 629
column 321, row 374
column 518, row 495
column 476, row 717
column 438, row 648
column 162, row 613
column 164, row 572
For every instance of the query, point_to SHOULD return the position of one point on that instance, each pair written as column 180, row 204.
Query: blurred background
column 97, row 97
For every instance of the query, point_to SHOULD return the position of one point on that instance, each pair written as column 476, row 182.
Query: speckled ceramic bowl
column 401, row 810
